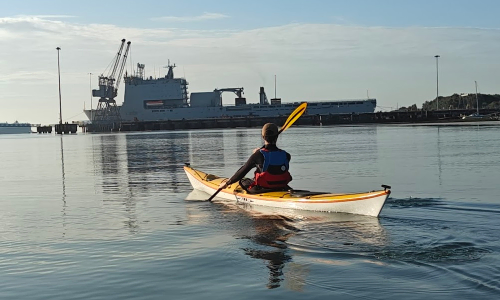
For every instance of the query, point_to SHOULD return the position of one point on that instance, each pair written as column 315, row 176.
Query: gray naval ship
column 167, row 98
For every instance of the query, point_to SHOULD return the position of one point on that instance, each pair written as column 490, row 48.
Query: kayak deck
column 369, row 203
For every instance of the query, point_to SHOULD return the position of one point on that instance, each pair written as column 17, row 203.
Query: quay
column 418, row 116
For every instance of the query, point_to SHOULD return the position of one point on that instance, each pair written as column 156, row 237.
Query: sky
column 318, row 49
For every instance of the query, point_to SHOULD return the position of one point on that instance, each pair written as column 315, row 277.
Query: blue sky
column 259, row 13
column 320, row 50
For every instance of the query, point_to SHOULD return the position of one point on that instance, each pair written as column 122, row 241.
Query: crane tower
column 107, row 113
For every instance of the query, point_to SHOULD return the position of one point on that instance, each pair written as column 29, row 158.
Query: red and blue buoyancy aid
column 274, row 170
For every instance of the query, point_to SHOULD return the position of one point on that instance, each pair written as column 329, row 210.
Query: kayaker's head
column 270, row 133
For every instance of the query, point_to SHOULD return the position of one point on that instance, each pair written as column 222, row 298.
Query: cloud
column 45, row 16
column 312, row 62
column 25, row 77
column 205, row 16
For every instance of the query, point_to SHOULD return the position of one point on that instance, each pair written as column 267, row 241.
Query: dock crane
column 239, row 100
column 107, row 113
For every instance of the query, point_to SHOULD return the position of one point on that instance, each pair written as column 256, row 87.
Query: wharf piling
column 66, row 128
column 44, row 129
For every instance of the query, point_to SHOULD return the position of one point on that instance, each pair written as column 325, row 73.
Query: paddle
column 291, row 119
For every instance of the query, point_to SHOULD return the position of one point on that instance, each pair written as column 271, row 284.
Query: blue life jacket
column 275, row 172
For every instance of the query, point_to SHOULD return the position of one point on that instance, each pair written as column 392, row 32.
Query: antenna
column 274, row 86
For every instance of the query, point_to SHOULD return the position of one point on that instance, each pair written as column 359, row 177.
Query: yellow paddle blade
column 294, row 116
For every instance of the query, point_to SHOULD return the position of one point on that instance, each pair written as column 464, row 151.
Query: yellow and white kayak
column 369, row 203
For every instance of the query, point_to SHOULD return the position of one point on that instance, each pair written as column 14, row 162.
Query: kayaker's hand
column 223, row 184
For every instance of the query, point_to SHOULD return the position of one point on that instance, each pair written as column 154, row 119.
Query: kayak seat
column 304, row 193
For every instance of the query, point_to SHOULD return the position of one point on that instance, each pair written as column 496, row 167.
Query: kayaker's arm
column 249, row 165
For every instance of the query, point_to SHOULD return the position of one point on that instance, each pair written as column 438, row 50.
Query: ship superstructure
column 147, row 94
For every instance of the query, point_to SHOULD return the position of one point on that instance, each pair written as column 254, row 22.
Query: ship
column 16, row 127
column 167, row 98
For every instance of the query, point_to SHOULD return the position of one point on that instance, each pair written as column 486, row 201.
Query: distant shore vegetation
column 459, row 101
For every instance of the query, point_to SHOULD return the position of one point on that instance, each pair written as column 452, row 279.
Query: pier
column 392, row 117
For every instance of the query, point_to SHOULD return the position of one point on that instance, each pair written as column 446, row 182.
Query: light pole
column 90, row 84
column 59, row 75
column 437, row 81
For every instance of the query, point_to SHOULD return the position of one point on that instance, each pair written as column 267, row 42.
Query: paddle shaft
column 215, row 194
column 218, row 190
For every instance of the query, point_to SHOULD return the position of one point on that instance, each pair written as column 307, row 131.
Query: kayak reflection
column 280, row 235
column 271, row 231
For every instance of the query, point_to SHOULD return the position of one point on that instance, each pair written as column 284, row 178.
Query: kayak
column 369, row 203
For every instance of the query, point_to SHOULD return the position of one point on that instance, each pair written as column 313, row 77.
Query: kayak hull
column 370, row 203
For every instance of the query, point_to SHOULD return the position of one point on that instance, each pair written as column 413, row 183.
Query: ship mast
column 140, row 71
column 275, row 100
column 170, row 73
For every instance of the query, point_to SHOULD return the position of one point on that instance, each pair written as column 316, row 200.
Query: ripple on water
column 413, row 202
column 453, row 252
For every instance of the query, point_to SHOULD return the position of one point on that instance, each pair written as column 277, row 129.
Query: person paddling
column 271, row 163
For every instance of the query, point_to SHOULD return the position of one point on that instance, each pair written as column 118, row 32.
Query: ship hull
column 10, row 129
column 131, row 113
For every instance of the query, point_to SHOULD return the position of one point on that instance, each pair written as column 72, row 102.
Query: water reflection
column 272, row 232
column 439, row 156
column 268, row 233
column 156, row 160
column 325, row 237
column 242, row 146
column 108, row 162
column 63, row 177
column 207, row 149
column 63, row 174
column 134, row 164
column 277, row 235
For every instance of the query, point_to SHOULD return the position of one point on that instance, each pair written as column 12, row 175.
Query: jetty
column 392, row 117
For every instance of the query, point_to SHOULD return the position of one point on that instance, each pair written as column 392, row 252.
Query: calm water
column 113, row 216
